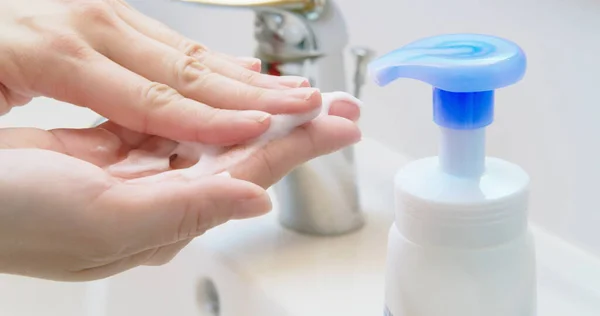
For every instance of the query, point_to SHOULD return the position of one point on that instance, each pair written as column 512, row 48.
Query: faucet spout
column 284, row 4
column 307, row 38
column 319, row 197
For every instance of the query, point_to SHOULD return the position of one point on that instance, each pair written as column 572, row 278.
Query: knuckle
column 95, row 12
column 189, row 70
column 157, row 95
column 193, row 49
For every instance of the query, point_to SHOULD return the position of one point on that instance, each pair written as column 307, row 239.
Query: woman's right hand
column 104, row 55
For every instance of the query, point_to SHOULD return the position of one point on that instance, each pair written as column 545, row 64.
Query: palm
column 110, row 144
column 101, row 146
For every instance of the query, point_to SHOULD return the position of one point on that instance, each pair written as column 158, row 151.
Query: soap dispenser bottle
column 460, row 245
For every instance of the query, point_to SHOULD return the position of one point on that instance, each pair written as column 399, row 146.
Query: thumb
column 158, row 214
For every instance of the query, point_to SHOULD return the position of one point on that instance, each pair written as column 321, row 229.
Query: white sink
column 259, row 268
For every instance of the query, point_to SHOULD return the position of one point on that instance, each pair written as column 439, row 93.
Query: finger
column 249, row 63
column 232, row 67
column 161, row 213
column 323, row 135
column 168, row 214
column 233, row 71
column 195, row 80
column 10, row 99
column 161, row 32
column 152, row 108
column 345, row 109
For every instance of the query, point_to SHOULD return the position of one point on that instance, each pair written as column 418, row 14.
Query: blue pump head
column 464, row 70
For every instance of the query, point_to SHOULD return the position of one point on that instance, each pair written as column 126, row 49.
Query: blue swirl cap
column 464, row 70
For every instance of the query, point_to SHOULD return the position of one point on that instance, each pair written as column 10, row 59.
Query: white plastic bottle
column 460, row 245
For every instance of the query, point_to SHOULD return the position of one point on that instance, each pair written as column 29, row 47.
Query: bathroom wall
column 548, row 123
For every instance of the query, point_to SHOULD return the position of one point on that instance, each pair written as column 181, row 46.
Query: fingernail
column 293, row 81
column 303, row 93
column 257, row 116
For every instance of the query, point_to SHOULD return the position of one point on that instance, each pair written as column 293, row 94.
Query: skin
column 62, row 216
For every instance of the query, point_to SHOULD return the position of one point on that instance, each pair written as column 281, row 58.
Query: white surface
column 48, row 113
column 546, row 123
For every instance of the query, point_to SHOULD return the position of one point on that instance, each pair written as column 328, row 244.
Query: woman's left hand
column 64, row 217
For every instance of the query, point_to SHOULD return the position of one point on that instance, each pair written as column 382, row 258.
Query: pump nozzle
column 464, row 70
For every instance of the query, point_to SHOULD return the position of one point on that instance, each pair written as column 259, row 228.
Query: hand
column 63, row 217
column 104, row 55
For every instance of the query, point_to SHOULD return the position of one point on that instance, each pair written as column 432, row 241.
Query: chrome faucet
column 308, row 38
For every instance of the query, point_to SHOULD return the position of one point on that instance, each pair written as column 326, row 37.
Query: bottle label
column 387, row 312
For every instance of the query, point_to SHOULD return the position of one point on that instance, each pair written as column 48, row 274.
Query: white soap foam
column 215, row 159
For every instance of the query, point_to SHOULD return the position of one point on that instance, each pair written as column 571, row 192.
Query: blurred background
column 549, row 123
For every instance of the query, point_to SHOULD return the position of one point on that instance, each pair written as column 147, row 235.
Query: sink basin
column 257, row 267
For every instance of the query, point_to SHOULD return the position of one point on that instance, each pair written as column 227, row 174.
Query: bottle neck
column 462, row 152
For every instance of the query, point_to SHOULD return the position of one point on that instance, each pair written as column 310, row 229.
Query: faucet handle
column 362, row 56
column 303, row 6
